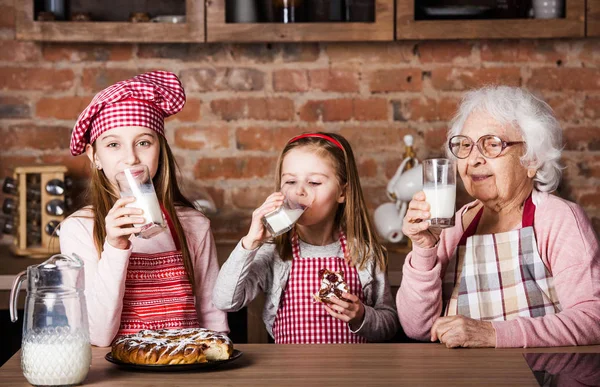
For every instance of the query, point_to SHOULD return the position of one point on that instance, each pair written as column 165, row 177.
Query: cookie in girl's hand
column 332, row 285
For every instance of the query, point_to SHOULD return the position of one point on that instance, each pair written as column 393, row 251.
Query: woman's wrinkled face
column 495, row 180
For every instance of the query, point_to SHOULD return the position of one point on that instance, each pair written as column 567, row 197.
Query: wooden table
column 329, row 365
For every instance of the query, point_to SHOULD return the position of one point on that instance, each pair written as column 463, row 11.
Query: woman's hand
column 119, row 223
column 461, row 331
column 415, row 226
column 352, row 312
column 257, row 233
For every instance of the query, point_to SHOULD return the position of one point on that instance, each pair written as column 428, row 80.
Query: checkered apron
column 158, row 293
column 301, row 320
column 499, row 276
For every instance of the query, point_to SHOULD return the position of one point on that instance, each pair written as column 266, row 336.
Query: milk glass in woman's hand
column 439, row 185
column 283, row 219
column 136, row 181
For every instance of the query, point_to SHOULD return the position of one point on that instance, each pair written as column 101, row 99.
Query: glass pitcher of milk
column 56, row 348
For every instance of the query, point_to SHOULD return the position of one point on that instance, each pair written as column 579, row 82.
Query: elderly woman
column 521, row 267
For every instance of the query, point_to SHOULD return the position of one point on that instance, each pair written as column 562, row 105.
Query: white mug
column 173, row 19
column 548, row 9
column 407, row 183
column 388, row 219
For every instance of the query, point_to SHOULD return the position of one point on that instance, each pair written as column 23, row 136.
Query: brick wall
column 245, row 101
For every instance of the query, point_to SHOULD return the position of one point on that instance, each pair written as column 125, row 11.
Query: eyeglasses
column 489, row 146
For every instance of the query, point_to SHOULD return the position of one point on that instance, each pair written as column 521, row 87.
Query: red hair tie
column 319, row 135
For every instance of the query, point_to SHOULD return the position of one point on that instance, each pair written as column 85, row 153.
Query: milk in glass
column 439, row 185
column 441, row 199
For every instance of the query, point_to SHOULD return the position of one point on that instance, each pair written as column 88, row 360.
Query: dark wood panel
column 220, row 31
column 593, row 18
column 191, row 31
column 573, row 25
column 119, row 10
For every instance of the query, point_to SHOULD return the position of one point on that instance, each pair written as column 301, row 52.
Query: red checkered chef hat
column 144, row 100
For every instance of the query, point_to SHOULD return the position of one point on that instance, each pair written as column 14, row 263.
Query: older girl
column 133, row 283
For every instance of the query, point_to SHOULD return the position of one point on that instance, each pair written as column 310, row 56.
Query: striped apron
column 301, row 320
column 499, row 276
column 158, row 293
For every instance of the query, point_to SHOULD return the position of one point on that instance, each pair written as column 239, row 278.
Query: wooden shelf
column 573, row 25
column 65, row 31
column 215, row 29
column 593, row 18
column 220, row 31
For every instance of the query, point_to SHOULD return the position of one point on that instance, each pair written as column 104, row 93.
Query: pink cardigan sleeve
column 206, row 270
column 104, row 278
column 419, row 299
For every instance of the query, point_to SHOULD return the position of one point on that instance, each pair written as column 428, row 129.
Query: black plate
column 174, row 367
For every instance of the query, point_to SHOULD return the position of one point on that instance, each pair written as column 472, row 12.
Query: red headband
column 319, row 135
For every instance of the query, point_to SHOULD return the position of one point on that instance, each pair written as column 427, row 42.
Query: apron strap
column 528, row 212
column 171, row 228
column 527, row 221
column 295, row 245
column 470, row 231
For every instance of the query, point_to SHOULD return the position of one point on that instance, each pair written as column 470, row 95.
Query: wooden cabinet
column 220, row 31
column 27, row 28
column 394, row 20
column 573, row 25
column 593, row 18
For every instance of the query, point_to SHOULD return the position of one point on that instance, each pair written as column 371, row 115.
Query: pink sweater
column 105, row 278
column 569, row 248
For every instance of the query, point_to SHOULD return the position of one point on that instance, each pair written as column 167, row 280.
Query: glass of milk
column 136, row 181
column 282, row 220
column 439, row 185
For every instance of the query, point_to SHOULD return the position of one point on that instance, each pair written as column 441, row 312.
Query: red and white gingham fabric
column 144, row 100
column 300, row 320
column 158, row 294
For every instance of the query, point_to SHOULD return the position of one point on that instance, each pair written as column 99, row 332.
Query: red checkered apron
column 499, row 276
column 158, row 294
column 301, row 320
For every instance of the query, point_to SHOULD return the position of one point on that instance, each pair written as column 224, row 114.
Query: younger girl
column 334, row 233
column 133, row 283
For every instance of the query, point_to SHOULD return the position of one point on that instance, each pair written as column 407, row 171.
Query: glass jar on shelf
column 289, row 11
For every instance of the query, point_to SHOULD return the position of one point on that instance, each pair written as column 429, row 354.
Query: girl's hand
column 257, row 233
column 352, row 312
column 119, row 223
column 415, row 226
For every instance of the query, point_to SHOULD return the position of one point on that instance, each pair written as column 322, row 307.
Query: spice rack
column 41, row 206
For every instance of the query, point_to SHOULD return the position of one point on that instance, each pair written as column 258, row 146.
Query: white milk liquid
column 283, row 219
column 441, row 199
column 148, row 202
column 50, row 362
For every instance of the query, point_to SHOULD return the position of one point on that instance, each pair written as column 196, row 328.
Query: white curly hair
column 533, row 117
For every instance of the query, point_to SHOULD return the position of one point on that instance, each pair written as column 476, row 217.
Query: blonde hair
column 101, row 198
column 351, row 216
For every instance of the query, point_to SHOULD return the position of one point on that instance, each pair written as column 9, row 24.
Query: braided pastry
column 172, row 346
